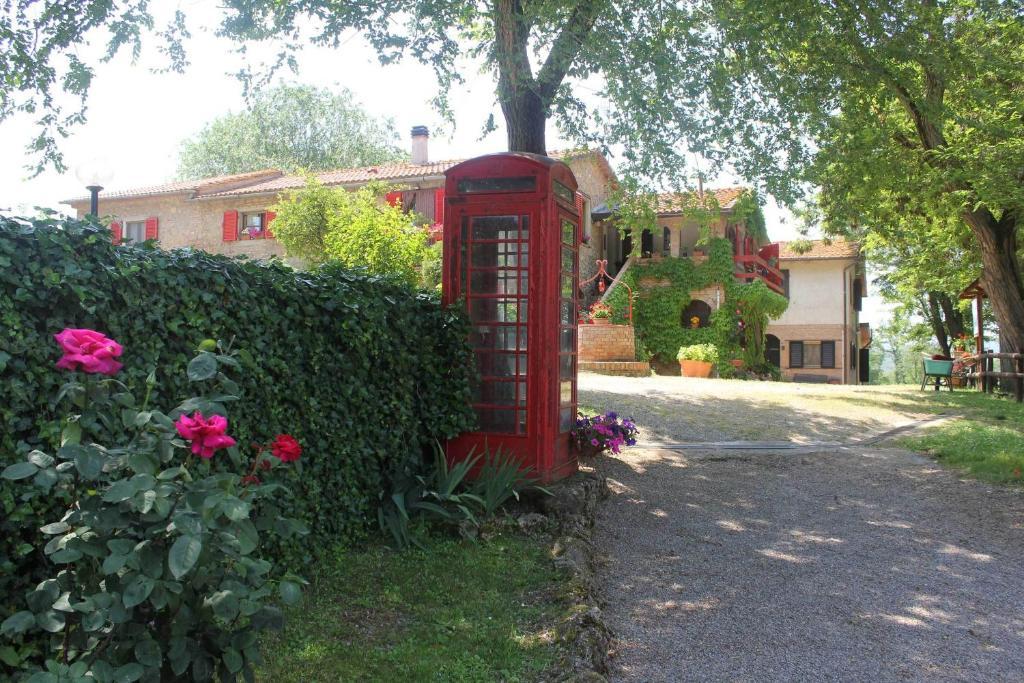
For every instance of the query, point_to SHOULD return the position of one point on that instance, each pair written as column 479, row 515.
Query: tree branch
column 566, row 47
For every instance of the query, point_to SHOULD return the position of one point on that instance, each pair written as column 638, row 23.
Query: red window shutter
column 393, row 198
column 230, row 226
column 439, row 205
column 116, row 233
column 152, row 228
column 268, row 218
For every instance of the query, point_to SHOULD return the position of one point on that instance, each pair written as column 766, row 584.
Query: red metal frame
column 506, row 262
column 602, row 270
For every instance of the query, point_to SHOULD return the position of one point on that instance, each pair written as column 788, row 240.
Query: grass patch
column 987, row 451
column 455, row 611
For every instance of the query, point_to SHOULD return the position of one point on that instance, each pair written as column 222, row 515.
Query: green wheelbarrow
column 938, row 371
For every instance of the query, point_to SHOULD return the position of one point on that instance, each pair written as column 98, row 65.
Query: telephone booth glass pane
column 567, row 314
column 494, row 279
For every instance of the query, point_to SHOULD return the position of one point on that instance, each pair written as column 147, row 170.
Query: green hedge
column 362, row 370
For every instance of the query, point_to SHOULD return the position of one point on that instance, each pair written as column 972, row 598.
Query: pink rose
column 206, row 434
column 88, row 351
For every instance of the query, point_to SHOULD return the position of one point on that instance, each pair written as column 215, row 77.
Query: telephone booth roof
column 505, row 164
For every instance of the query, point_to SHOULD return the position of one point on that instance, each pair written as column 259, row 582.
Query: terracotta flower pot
column 695, row 368
column 601, row 321
column 737, row 363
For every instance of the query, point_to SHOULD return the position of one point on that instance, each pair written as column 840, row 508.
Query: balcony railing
column 751, row 267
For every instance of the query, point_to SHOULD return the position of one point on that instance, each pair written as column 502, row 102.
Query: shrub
column 152, row 567
column 365, row 372
column 707, row 353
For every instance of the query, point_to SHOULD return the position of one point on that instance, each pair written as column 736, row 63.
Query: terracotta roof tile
column 181, row 186
column 272, row 180
column 675, row 202
column 819, row 249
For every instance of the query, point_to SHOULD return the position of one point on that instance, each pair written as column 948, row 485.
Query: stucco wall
column 815, row 292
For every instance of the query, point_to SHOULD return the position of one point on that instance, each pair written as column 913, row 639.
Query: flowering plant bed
column 601, row 313
column 596, row 434
column 154, row 570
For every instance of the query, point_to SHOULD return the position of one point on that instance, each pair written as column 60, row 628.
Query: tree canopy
column 290, row 127
column 879, row 110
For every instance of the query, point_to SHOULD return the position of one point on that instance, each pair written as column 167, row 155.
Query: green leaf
column 184, row 554
column 224, row 604
column 19, row 622
column 19, row 470
column 120, row 490
column 8, row 655
column 89, row 462
column 66, row 556
column 235, row 509
column 202, row 367
column 291, row 593
column 129, row 673
column 137, row 590
column 51, row 620
column 71, row 434
column 147, row 653
column 55, row 528
column 232, row 660
column 40, row 459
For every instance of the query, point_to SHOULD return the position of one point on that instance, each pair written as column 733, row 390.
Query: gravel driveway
column 848, row 563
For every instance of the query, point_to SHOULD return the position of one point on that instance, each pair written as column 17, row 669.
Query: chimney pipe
column 420, row 135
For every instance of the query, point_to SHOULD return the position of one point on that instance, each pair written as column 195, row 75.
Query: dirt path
column 858, row 564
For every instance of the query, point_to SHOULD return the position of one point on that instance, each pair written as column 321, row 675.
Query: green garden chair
column 941, row 371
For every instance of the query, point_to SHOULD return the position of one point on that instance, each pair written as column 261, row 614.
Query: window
column 812, row 354
column 252, row 226
column 420, row 202
column 785, row 282
column 666, row 241
column 858, row 294
column 135, row 232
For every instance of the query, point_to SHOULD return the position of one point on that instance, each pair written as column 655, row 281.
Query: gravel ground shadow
column 858, row 564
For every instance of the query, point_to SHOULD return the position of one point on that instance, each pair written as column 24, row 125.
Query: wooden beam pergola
column 977, row 292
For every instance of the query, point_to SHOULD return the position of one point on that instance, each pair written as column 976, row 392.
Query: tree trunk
column 1001, row 275
column 954, row 319
column 934, row 315
column 525, row 117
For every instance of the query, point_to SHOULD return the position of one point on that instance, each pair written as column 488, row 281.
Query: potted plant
column 596, row 434
column 601, row 313
column 697, row 360
column 962, row 345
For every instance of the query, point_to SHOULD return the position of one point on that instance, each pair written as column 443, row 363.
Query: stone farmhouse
column 818, row 339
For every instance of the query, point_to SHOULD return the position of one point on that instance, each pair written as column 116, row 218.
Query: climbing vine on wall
column 663, row 290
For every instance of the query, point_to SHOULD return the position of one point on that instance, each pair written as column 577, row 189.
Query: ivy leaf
column 184, row 554
column 203, row 366
column 19, row 470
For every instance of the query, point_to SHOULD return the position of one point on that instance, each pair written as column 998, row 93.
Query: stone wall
column 606, row 343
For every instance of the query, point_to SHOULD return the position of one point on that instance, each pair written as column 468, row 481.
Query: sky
column 136, row 118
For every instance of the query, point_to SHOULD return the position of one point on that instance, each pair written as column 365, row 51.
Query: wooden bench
column 811, row 379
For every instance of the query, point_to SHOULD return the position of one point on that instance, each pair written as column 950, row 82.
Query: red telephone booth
column 511, row 238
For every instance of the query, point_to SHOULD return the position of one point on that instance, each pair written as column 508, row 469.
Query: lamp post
column 94, row 198
column 94, row 174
